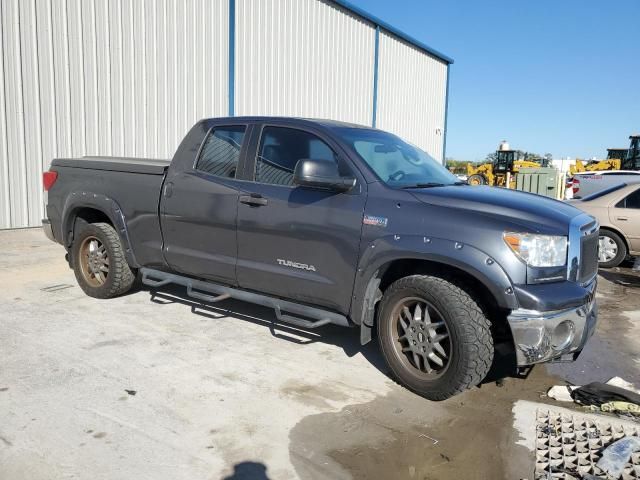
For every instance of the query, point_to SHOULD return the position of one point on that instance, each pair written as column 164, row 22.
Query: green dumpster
column 542, row 181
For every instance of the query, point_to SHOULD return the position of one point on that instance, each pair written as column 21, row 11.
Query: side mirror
column 321, row 173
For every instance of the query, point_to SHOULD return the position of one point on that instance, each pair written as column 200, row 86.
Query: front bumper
column 48, row 231
column 556, row 335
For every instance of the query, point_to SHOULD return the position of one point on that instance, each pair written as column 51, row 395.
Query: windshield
column 397, row 163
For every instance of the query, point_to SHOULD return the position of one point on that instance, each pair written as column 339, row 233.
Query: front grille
column 588, row 257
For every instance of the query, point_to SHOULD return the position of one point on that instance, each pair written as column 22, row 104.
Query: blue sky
column 557, row 76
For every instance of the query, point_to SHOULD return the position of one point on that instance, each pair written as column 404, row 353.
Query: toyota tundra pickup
column 334, row 223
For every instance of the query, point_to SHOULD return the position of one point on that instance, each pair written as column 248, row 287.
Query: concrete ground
column 155, row 386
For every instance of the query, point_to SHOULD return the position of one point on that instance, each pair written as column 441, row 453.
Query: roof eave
column 393, row 30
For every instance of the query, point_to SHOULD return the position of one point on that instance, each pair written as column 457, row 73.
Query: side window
column 221, row 151
column 633, row 200
column 280, row 150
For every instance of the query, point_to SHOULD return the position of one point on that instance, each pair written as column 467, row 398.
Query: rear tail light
column 48, row 179
column 576, row 186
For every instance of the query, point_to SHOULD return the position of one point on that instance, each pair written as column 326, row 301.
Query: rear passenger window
column 280, row 150
column 221, row 151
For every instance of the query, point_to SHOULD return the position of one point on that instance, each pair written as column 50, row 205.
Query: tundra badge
column 301, row 266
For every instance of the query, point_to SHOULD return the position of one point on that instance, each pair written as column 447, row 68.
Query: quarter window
column 221, row 151
column 280, row 150
column 633, row 200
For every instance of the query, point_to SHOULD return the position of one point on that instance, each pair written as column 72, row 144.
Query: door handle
column 624, row 219
column 254, row 199
column 168, row 189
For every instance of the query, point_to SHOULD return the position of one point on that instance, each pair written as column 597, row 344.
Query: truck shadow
column 348, row 339
column 504, row 365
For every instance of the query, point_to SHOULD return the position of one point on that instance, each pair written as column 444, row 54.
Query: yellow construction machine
column 595, row 165
column 506, row 164
column 617, row 159
column 632, row 160
column 617, row 153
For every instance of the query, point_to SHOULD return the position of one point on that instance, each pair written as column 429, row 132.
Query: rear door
column 295, row 242
column 625, row 215
column 200, row 205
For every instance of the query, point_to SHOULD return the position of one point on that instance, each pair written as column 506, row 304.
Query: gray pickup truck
column 328, row 222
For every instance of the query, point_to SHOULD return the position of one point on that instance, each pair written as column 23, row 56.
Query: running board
column 196, row 289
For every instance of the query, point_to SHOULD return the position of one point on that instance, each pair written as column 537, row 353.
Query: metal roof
column 391, row 29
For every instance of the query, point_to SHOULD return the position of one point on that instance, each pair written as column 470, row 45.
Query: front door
column 295, row 242
column 199, row 208
column 626, row 216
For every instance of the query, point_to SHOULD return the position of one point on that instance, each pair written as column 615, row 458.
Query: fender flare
column 385, row 250
column 104, row 204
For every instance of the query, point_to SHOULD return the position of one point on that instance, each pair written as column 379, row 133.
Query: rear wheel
column 476, row 179
column 99, row 262
column 434, row 337
column 611, row 249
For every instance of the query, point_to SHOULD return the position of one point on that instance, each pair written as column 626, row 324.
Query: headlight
column 538, row 250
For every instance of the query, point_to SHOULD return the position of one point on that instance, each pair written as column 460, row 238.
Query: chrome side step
column 196, row 288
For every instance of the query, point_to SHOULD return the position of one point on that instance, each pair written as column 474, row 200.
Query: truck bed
column 125, row 189
column 149, row 166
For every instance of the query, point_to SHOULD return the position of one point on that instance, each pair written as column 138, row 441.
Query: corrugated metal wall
column 129, row 78
column 303, row 58
column 411, row 94
column 102, row 77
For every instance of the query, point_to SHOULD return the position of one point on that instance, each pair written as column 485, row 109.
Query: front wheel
column 99, row 262
column 434, row 337
column 477, row 179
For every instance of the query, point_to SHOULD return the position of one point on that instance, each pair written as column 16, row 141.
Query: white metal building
column 130, row 77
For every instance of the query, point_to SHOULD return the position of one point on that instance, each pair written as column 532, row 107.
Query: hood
column 520, row 207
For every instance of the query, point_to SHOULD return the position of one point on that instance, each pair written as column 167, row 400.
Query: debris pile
column 617, row 396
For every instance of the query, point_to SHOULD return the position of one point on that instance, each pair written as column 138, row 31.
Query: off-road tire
column 477, row 179
column 472, row 349
column 622, row 250
column 120, row 277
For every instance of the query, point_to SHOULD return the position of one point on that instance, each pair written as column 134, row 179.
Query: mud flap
column 365, row 334
column 372, row 296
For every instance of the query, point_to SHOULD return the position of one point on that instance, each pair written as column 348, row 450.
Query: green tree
column 456, row 166
column 491, row 157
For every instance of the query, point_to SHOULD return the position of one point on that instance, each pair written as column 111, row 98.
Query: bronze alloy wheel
column 94, row 261
column 423, row 342
column 433, row 336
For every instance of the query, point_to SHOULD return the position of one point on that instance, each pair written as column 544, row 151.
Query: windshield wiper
column 424, row 185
